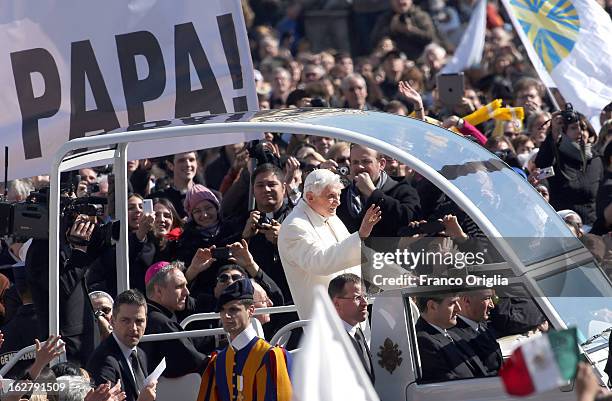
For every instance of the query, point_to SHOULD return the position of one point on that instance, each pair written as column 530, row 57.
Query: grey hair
column 76, row 388
column 161, row 277
column 94, row 295
column 320, row 179
column 354, row 76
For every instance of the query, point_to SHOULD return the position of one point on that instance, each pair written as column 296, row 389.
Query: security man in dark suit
column 348, row 297
column 444, row 355
column 472, row 326
column 119, row 357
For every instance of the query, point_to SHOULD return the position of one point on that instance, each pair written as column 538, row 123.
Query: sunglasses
column 225, row 277
column 106, row 310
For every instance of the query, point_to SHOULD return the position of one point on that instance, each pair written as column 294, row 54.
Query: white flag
column 469, row 52
column 327, row 367
column 568, row 41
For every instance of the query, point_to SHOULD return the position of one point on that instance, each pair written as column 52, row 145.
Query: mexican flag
column 541, row 364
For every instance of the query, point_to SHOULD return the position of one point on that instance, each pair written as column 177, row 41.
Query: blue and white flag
column 568, row 41
column 469, row 51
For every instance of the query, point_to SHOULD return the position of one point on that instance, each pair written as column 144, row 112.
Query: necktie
column 138, row 374
column 364, row 350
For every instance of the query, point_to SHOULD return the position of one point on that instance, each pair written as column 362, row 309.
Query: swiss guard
column 249, row 368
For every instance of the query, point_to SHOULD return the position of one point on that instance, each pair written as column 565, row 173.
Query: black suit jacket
column 181, row 354
column 399, row 203
column 608, row 368
column 483, row 343
column 108, row 364
column 445, row 359
column 366, row 360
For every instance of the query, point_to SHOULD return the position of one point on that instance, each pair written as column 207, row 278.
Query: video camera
column 30, row 218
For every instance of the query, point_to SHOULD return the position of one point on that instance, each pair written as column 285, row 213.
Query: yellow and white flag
column 568, row 41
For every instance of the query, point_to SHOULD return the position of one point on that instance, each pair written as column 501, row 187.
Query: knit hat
column 196, row 194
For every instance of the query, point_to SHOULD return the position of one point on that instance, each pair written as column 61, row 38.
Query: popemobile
column 538, row 258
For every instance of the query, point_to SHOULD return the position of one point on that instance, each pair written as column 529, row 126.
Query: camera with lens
column 343, row 172
column 30, row 218
column 262, row 154
column 263, row 220
column 569, row 115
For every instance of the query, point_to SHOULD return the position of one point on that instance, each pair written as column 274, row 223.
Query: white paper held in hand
column 156, row 373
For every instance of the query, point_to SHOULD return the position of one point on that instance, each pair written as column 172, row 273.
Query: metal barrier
column 259, row 311
column 172, row 336
column 286, row 329
column 16, row 357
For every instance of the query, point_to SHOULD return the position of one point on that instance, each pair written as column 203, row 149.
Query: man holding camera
column 76, row 316
column 263, row 225
column 398, row 201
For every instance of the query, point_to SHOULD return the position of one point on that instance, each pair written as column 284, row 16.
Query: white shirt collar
column 473, row 324
column 349, row 329
column 125, row 350
column 244, row 338
column 440, row 329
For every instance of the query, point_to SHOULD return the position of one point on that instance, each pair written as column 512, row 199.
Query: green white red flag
column 541, row 364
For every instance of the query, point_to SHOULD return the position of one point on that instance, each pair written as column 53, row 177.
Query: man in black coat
column 76, row 316
column 444, row 355
column 168, row 294
column 269, row 193
column 398, row 201
column 473, row 328
column 119, row 357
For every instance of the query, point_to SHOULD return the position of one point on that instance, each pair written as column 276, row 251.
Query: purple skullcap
column 153, row 270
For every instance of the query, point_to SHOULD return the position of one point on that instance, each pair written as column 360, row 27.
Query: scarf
column 355, row 199
column 579, row 152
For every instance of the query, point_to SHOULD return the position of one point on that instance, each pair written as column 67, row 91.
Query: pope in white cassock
column 313, row 243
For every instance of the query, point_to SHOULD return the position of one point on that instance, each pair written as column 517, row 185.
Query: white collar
column 244, row 338
column 314, row 216
column 350, row 329
column 473, row 324
column 440, row 329
column 125, row 350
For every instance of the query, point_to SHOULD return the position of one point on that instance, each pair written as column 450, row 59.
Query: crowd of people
column 196, row 246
